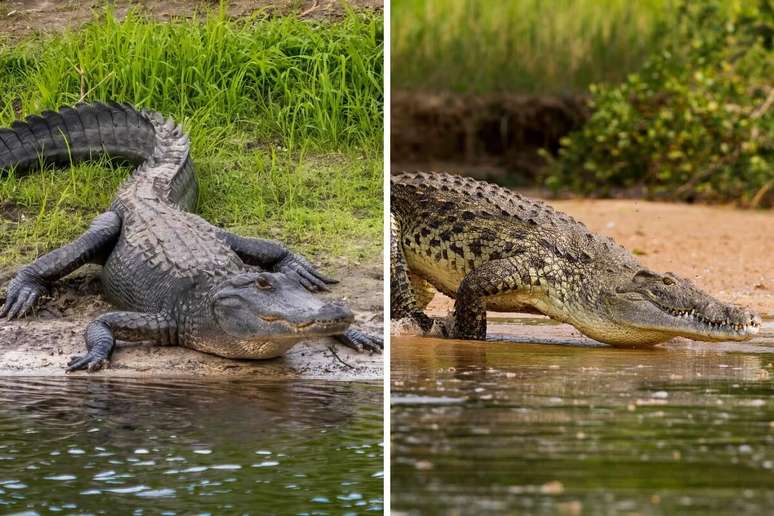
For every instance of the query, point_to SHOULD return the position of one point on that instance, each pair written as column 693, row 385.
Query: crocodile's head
column 644, row 308
column 261, row 315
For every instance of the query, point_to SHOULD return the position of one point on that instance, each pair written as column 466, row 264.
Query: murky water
column 90, row 445
column 574, row 429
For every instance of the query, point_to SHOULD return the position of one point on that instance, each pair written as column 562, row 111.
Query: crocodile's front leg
column 491, row 278
column 272, row 255
column 34, row 280
column 101, row 335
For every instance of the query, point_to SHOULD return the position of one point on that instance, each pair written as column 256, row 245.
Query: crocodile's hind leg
column 33, row 281
column 403, row 301
column 424, row 292
column 101, row 335
column 490, row 279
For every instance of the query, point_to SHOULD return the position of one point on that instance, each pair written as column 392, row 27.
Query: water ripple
column 185, row 445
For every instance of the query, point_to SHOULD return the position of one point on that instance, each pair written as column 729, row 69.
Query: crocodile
column 490, row 248
column 175, row 278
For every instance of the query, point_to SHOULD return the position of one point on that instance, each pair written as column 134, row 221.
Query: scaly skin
column 492, row 249
column 177, row 279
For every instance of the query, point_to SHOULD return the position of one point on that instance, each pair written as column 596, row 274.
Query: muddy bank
column 41, row 345
column 20, row 18
column 499, row 134
column 724, row 250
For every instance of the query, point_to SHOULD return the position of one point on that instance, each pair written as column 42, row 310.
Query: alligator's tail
column 87, row 131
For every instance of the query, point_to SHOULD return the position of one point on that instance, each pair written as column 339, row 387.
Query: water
column 92, row 445
column 574, row 429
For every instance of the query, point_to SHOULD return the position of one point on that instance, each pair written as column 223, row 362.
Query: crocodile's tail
column 72, row 135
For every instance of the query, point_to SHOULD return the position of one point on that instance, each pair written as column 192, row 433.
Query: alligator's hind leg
column 403, row 302
column 490, row 279
column 101, row 335
column 272, row 255
column 33, row 281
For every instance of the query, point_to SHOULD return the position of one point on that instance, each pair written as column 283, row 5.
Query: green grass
column 531, row 46
column 285, row 119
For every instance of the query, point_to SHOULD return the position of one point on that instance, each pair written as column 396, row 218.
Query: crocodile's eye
column 263, row 283
column 668, row 281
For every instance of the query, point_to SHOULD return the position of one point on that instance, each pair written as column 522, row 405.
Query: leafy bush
column 696, row 123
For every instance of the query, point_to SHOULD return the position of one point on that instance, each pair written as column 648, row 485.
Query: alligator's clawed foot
column 21, row 297
column 308, row 276
column 361, row 342
column 91, row 362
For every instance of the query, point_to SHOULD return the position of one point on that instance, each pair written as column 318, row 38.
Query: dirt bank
column 20, row 18
column 499, row 134
column 727, row 251
column 41, row 345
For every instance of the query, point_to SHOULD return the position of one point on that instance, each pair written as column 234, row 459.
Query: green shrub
column 696, row 123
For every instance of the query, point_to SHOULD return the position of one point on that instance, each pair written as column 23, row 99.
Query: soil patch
column 498, row 133
column 40, row 345
column 724, row 250
column 21, row 18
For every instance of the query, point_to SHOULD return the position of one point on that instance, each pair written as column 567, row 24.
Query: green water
column 90, row 445
column 504, row 427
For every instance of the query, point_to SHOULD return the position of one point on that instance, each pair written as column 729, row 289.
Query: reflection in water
column 686, row 428
column 91, row 444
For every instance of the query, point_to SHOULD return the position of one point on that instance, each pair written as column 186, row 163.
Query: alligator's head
column 261, row 315
column 643, row 307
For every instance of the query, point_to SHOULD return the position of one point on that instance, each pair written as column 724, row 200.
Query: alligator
column 176, row 278
column 490, row 248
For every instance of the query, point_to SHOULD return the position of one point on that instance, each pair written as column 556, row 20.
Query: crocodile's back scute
column 452, row 225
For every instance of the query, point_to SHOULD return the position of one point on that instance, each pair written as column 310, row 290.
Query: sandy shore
column 41, row 345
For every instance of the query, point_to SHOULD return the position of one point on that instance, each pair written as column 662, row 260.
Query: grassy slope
column 531, row 46
column 285, row 119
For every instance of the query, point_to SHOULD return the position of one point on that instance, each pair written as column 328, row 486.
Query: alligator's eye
column 263, row 283
column 668, row 281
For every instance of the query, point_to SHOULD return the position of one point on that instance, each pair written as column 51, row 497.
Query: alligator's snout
column 331, row 315
column 255, row 306
column 336, row 312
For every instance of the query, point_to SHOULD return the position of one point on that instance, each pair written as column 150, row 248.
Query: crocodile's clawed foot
column 20, row 299
column 91, row 362
column 425, row 323
column 431, row 326
column 361, row 342
column 298, row 266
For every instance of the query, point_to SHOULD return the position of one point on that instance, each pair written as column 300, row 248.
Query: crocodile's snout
column 665, row 306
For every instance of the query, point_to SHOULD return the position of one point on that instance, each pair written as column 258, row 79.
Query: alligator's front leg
column 272, row 255
column 360, row 341
column 491, row 278
column 34, row 280
column 101, row 335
